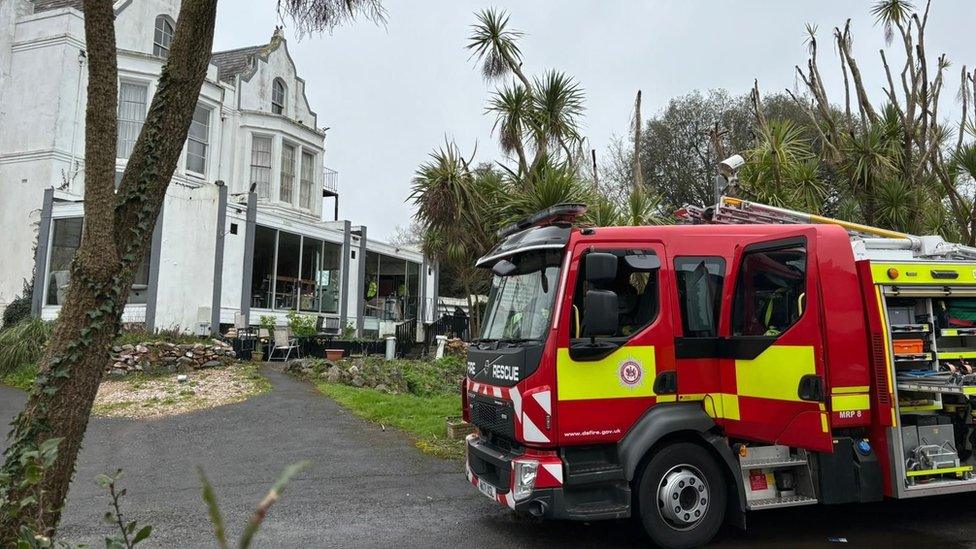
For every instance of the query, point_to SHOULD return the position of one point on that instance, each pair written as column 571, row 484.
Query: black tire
column 677, row 471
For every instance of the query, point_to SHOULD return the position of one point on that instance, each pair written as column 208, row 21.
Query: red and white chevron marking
column 533, row 413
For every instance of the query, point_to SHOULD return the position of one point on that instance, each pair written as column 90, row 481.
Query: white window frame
column 296, row 148
column 271, row 166
column 161, row 49
column 206, row 143
column 301, row 178
column 131, row 82
column 283, row 105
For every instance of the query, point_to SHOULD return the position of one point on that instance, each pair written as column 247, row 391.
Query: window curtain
column 261, row 165
column 308, row 177
column 132, row 113
column 287, row 173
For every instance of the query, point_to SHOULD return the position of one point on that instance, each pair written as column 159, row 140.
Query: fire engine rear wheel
column 681, row 496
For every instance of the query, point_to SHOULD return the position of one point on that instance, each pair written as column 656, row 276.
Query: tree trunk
column 117, row 234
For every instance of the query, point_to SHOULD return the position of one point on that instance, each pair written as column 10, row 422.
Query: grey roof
column 47, row 5
column 230, row 63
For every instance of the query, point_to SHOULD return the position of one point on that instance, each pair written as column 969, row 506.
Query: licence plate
column 486, row 489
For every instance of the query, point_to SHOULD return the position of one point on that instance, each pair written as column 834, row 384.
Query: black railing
column 406, row 335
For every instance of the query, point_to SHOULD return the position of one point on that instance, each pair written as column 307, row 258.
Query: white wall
column 186, row 256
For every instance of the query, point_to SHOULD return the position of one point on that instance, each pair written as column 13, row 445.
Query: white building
column 243, row 226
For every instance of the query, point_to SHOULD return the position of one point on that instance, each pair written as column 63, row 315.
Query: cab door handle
column 811, row 388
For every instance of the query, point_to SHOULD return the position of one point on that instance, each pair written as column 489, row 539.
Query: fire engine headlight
column 525, row 473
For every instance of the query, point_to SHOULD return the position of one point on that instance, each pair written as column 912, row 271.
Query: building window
column 287, row 173
column 392, row 287
column 770, row 292
column 261, row 165
column 278, row 96
column 163, row 37
column 65, row 241
column 700, row 294
column 308, row 179
column 294, row 272
column 132, row 113
column 198, row 141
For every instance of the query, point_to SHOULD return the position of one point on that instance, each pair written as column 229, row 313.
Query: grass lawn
column 21, row 378
column 423, row 417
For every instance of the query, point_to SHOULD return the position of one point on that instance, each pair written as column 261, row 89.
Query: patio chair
column 283, row 342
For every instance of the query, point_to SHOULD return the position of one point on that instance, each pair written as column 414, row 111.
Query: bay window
column 287, row 173
column 307, row 181
column 261, row 165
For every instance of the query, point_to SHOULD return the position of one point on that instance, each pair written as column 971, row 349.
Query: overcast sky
column 391, row 94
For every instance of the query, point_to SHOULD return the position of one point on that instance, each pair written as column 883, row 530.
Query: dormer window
column 163, row 37
column 278, row 96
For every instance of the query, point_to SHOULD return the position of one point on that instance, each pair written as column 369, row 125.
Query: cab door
column 772, row 355
column 605, row 382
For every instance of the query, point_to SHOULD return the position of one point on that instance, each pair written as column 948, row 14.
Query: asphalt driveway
column 368, row 487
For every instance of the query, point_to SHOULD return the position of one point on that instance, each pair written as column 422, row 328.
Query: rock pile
column 160, row 356
column 356, row 375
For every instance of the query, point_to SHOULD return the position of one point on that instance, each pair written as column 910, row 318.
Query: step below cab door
column 771, row 346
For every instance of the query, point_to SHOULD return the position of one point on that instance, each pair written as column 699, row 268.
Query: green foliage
column 254, row 524
column 130, row 534
column 348, row 331
column 301, row 325
column 268, row 322
column 32, row 462
column 422, row 417
column 22, row 344
column 19, row 307
column 21, row 378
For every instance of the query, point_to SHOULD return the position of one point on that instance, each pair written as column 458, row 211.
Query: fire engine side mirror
column 601, row 268
column 600, row 313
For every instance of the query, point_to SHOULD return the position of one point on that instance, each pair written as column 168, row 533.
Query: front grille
column 495, row 416
column 490, row 464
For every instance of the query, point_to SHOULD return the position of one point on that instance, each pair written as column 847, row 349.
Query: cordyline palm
column 557, row 104
column 496, row 46
column 512, row 108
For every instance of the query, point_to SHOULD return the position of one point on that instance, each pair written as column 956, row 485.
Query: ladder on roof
column 869, row 242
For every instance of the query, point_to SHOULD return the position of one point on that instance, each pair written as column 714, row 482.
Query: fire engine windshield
column 521, row 300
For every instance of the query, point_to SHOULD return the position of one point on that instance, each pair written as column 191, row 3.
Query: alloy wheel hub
column 683, row 497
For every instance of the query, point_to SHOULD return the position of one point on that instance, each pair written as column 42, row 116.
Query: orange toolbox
column 908, row 346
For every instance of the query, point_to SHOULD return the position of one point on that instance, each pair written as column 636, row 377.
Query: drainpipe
column 344, row 276
column 154, row 255
column 361, row 298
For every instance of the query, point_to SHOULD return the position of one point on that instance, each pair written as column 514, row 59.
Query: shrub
column 268, row 322
column 19, row 308
column 174, row 335
column 301, row 325
column 22, row 343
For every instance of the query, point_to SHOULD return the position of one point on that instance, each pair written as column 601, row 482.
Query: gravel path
column 371, row 488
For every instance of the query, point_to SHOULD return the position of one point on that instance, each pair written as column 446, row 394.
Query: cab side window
column 637, row 293
column 700, row 281
column 770, row 293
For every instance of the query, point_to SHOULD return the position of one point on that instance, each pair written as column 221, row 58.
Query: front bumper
column 492, row 471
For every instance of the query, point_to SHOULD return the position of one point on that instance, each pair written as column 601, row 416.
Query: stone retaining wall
column 168, row 357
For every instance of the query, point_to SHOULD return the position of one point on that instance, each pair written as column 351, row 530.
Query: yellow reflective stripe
column 667, row 398
column 887, row 347
column 823, row 422
column 850, row 403
column 849, row 390
column 776, row 373
column 716, row 405
column 601, row 378
column 921, row 273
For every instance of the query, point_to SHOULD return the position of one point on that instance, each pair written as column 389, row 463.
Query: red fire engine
column 754, row 358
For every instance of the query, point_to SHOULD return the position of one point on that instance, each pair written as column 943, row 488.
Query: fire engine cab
column 752, row 358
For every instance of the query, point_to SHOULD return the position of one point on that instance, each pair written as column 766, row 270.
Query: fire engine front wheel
column 681, row 496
